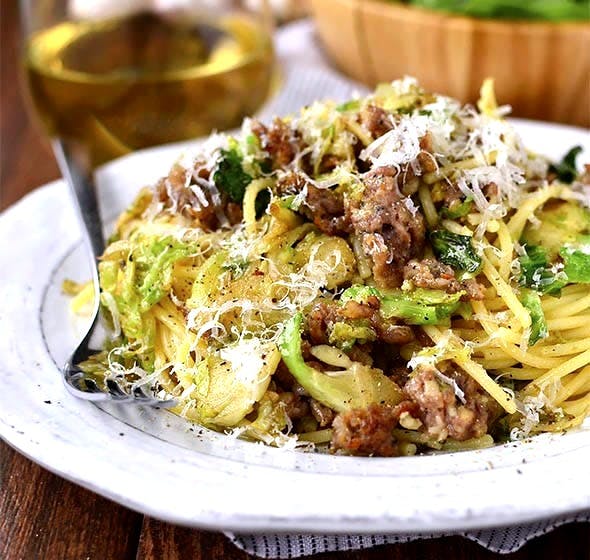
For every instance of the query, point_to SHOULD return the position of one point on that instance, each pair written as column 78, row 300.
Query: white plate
column 154, row 462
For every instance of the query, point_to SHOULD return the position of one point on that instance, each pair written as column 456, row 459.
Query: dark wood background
column 45, row 517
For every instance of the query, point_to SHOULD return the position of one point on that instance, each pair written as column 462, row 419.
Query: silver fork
column 81, row 385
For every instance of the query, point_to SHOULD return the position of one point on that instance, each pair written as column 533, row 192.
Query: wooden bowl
column 541, row 69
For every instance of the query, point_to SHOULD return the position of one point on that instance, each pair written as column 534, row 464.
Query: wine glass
column 111, row 77
column 107, row 77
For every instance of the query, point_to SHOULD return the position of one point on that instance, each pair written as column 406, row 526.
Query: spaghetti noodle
column 390, row 275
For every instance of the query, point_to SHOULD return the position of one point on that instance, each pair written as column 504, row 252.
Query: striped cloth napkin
column 503, row 540
column 306, row 78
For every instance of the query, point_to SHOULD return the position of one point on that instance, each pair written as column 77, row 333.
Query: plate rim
column 266, row 522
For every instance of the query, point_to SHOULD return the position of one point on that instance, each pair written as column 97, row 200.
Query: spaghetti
column 390, row 275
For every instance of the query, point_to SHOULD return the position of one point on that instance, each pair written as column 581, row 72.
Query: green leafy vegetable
column 532, row 303
column 416, row 312
column 537, row 273
column 560, row 223
column 576, row 262
column 352, row 105
column 566, row 169
column 136, row 274
column 252, row 143
column 549, row 10
column 256, row 162
column 359, row 293
column 345, row 334
column 229, row 381
column 455, row 250
column 458, row 210
column 270, row 419
column 356, row 386
column 417, row 307
column 154, row 263
column 230, row 176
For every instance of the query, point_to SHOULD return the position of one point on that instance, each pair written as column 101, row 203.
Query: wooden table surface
column 45, row 517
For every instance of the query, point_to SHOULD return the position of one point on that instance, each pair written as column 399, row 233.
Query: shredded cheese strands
column 478, row 373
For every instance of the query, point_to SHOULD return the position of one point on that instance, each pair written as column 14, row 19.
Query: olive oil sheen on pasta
column 119, row 85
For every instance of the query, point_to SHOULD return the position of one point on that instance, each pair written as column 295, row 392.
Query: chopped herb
column 230, row 176
column 566, row 169
column 537, row 273
column 455, row 250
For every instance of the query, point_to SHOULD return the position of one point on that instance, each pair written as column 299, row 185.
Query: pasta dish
column 386, row 276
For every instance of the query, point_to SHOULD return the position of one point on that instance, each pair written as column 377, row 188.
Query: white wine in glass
column 116, row 84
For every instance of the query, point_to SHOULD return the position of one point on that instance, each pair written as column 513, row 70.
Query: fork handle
column 81, row 183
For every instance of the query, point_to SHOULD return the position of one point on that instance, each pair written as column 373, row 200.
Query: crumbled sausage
column 355, row 310
column 368, row 431
column 361, row 353
column 279, row 140
column 319, row 322
column 376, row 120
column 431, row 274
column 283, row 378
column 324, row 315
column 326, row 209
column 321, row 413
column 474, row 289
column 328, row 163
column 389, row 332
column 491, row 192
column 174, row 194
column 290, row 183
column 426, row 157
column 296, row 406
column 434, row 275
column 234, row 214
column 442, row 413
column 449, row 194
column 392, row 231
